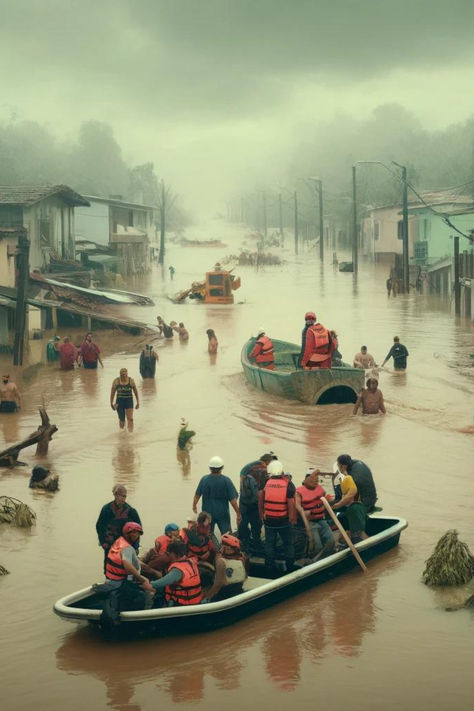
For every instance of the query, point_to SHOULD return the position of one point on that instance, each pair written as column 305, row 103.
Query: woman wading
column 123, row 390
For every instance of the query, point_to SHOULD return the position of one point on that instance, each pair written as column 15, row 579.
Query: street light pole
column 406, row 259
column 355, row 236
column 296, row 221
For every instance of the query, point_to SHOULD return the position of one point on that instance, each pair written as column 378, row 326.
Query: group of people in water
column 187, row 565
column 320, row 349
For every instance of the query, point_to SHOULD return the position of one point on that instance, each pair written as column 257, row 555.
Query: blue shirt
column 216, row 491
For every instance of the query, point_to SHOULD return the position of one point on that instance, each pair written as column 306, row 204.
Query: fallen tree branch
column 41, row 437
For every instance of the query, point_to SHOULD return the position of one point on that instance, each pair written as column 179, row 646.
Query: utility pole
column 161, row 257
column 265, row 228
column 242, row 210
column 296, row 221
column 355, row 236
column 280, row 214
column 23, row 265
column 321, row 221
column 406, row 260
column 457, row 283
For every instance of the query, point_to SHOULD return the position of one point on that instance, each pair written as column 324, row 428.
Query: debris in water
column 4, row 571
column 451, row 562
column 16, row 512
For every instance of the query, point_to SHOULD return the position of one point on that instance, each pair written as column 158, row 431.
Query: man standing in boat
column 317, row 346
column 263, row 351
column 276, row 503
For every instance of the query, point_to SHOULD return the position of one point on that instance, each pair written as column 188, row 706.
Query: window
column 376, row 229
column 11, row 216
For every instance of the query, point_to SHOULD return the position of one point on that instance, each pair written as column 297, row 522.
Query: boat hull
column 321, row 386
column 81, row 606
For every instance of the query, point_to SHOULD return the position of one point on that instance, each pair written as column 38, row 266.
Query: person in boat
column 157, row 559
column 122, row 391
column 10, row 398
column 263, row 351
column 212, row 342
column 354, row 516
column 336, row 359
column 312, row 515
column 399, row 353
column 362, row 477
column 68, row 354
column 42, row 478
column 164, row 329
column 364, row 360
column 89, row 353
column 113, row 517
column 317, row 346
column 231, row 570
column 276, row 503
column 197, row 536
column 182, row 583
column 180, row 330
column 148, row 360
column 217, row 491
column 253, row 477
column 371, row 399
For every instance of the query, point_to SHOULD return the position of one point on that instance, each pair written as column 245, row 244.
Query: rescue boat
column 217, row 288
column 260, row 590
column 322, row 386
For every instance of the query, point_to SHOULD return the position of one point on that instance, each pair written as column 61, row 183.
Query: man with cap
column 217, row 492
column 263, row 351
column 363, row 479
column 317, row 346
column 157, row 559
column 364, row 360
column 253, row 477
column 10, row 399
column 277, row 509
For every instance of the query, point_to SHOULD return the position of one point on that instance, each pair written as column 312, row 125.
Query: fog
column 225, row 97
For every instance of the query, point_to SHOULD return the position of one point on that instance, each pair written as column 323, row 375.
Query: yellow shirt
column 347, row 484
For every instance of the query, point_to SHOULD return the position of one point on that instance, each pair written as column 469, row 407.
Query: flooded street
column 356, row 642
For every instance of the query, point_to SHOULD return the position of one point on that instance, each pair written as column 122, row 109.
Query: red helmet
column 229, row 540
column 132, row 526
column 310, row 316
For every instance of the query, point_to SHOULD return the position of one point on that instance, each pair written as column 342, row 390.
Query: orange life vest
column 265, row 354
column 114, row 569
column 322, row 342
column 311, row 501
column 275, row 501
column 164, row 542
column 196, row 550
column 188, row 591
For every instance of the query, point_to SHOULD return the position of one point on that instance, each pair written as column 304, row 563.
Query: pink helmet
column 132, row 526
column 310, row 316
column 229, row 540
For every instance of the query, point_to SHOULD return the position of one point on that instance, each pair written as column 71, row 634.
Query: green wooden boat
column 325, row 386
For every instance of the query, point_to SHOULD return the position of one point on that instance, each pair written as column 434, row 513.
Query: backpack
column 248, row 490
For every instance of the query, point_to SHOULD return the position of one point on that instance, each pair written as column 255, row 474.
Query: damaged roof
column 27, row 195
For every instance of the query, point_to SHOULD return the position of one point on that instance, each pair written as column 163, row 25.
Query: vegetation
column 451, row 562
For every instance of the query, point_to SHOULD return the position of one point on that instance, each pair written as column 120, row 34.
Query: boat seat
column 252, row 582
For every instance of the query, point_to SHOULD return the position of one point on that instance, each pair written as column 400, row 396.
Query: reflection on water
column 126, row 459
column 183, row 457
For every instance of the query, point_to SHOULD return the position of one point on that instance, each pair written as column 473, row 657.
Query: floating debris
column 4, row 571
column 451, row 562
column 16, row 512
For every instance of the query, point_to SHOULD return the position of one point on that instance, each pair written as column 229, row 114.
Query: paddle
column 343, row 533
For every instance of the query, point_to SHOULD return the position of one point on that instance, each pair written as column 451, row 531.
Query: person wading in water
column 123, row 389
column 148, row 361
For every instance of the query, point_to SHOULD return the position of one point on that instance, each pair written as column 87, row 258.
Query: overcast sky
column 214, row 91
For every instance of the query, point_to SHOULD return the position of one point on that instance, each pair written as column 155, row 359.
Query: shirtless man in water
column 10, row 399
column 364, row 359
column 370, row 399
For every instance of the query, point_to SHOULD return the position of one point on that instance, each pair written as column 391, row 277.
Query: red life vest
column 322, row 342
column 114, row 569
column 311, row 501
column 264, row 354
column 164, row 542
column 197, row 550
column 188, row 591
column 275, row 501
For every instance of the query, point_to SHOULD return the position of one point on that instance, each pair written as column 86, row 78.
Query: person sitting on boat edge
column 371, row 399
column 363, row 478
column 157, row 559
column 276, row 502
column 354, row 517
column 231, row 570
column 181, row 586
column 312, row 515
column 253, row 477
column 263, row 351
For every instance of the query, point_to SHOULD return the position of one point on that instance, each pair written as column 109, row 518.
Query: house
column 47, row 213
column 127, row 228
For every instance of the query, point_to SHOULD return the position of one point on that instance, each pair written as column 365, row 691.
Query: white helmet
column 260, row 331
column 275, row 468
column 216, row 463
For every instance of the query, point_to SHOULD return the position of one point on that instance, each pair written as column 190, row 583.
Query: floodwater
column 356, row 642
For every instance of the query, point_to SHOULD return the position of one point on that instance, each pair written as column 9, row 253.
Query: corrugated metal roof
column 26, row 195
column 120, row 203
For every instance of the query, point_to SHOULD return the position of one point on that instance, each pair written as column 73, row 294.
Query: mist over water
column 372, row 631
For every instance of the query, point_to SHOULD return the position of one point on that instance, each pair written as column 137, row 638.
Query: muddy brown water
column 357, row 642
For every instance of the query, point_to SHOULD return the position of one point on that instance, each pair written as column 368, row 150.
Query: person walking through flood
column 317, row 346
column 89, row 353
column 148, row 360
column 263, row 351
column 164, row 329
column 371, row 399
column 10, row 398
column 217, row 491
column 122, row 391
column 399, row 353
column 212, row 342
column 68, row 354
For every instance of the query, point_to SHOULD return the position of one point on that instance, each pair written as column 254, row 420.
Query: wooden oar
column 343, row 533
